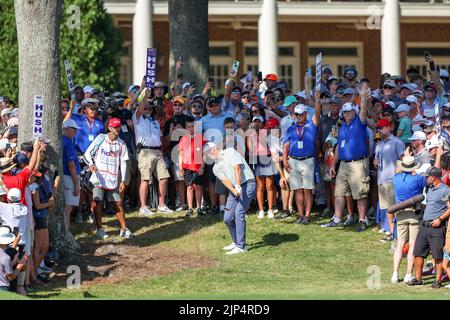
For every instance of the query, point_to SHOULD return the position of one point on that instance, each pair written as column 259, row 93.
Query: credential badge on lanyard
column 300, row 136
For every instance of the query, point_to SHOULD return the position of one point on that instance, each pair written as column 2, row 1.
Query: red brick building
column 346, row 32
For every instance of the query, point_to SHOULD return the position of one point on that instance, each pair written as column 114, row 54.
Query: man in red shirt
column 191, row 165
column 20, row 180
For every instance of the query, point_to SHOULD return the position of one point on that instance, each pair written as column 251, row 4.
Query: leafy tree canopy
column 89, row 41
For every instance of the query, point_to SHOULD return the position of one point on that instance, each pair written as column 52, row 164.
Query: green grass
column 4, row 295
column 284, row 261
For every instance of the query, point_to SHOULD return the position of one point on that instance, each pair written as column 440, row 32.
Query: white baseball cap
column 391, row 104
column 6, row 236
column 300, row 108
column 411, row 99
column 208, row 146
column 70, row 123
column 432, row 143
column 14, row 195
column 418, row 135
column 443, row 73
column 349, row 107
column 6, row 111
column 258, row 118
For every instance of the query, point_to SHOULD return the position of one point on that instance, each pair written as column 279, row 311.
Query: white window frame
column 334, row 61
column 420, row 61
column 282, row 60
column 126, row 63
column 225, row 60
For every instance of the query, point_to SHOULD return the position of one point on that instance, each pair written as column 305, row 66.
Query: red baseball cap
column 383, row 123
column 272, row 124
column 271, row 76
column 115, row 122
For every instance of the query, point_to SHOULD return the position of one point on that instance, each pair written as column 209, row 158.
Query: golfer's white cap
column 208, row 147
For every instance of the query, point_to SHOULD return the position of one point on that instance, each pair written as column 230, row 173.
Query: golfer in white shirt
column 234, row 172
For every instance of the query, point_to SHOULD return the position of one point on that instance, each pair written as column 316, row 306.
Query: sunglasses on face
column 197, row 106
column 385, row 88
column 429, row 90
column 244, row 97
column 177, row 105
column 235, row 92
column 253, row 111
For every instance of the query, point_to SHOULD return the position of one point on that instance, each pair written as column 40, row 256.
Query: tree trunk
column 188, row 30
column 38, row 24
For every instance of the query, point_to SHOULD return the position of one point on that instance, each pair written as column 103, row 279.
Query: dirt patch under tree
column 115, row 263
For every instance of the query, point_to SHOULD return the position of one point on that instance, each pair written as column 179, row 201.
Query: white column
column 390, row 38
column 268, row 38
column 142, row 38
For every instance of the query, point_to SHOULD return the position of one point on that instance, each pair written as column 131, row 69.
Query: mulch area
column 115, row 263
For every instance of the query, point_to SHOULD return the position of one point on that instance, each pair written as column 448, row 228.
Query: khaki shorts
column 386, row 195
column 302, row 174
column 353, row 179
column 407, row 225
column 151, row 163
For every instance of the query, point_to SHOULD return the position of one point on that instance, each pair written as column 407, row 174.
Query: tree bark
column 38, row 25
column 188, row 32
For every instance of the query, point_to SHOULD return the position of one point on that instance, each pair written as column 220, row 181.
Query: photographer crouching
column 432, row 228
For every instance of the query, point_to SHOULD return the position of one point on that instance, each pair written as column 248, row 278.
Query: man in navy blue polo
column 300, row 145
column 353, row 176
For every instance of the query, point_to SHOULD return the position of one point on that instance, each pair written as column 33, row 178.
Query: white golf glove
column 238, row 188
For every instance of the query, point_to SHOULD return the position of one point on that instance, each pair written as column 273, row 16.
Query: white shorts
column 302, row 174
column 69, row 188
